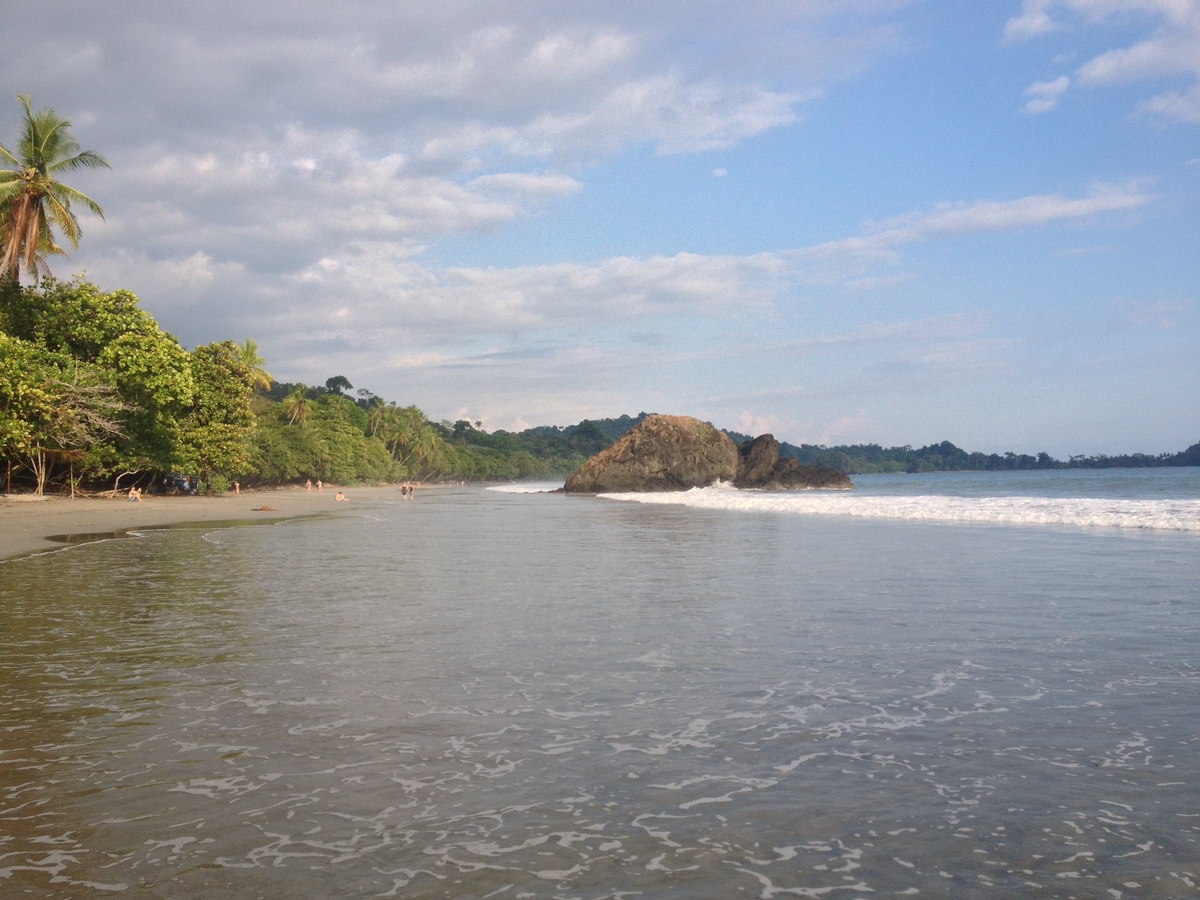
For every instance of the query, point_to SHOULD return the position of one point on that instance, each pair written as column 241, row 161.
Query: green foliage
column 219, row 483
column 74, row 317
column 26, row 396
column 283, row 452
column 215, row 432
column 544, row 452
column 260, row 378
column 337, row 384
column 53, row 408
column 152, row 372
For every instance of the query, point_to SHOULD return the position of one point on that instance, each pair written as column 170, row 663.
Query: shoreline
column 28, row 524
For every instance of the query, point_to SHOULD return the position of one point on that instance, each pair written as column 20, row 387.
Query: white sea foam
column 527, row 487
column 1165, row 515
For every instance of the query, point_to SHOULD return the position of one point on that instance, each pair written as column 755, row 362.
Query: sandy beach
column 27, row 523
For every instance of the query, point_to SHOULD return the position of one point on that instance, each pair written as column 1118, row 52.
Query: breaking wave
column 1159, row 515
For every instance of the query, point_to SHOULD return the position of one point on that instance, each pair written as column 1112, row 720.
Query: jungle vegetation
column 95, row 395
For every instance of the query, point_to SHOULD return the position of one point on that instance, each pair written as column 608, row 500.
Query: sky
column 852, row 221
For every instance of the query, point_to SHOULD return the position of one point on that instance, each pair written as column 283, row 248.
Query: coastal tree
column 54, row 408
column 216, row 429
column 377, row 412
column 260, row 377
column 337, row 384
column 33, row 202
column 75, row 320
column 109, row 329
column 298, row 405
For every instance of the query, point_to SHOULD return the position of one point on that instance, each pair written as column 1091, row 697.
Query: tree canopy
column 92, row 390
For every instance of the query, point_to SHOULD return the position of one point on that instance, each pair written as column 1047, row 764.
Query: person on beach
column 320, row 486
column 308, row 485
column 341, row 497
column 135, row 495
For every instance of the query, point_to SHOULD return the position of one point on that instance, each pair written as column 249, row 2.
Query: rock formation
column 759, row 466
column 676, row 453
column 663, row 453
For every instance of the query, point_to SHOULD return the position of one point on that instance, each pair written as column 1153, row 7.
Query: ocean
column 956, row 685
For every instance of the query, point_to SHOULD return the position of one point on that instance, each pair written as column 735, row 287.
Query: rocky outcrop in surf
column 760, row 466
column 677, row 453
column 663, row 453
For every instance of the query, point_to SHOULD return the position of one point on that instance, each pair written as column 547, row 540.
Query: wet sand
column 26, row 524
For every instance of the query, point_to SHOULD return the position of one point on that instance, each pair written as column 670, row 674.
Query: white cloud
column 370, row 298
column 469, row 303
column 450, row 84
column 950, row 219
column 1044, row 95
column 1171, row 51
column 1034, row 21
column 277, row 207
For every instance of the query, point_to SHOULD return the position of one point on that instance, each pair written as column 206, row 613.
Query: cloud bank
column 1171, row 51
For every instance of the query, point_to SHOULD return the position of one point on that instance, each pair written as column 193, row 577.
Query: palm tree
column 32, row 200
column 377, row 413
column 297, row 404
column 399, row 429
column 259, row 377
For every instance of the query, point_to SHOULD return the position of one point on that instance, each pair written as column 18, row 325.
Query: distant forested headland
column 94, row 395
column 870, row 459
column 564, row 446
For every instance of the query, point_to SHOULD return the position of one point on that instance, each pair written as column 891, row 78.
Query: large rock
column 759, row 466
column 756, row 461
column 791, row 475
column 676, row 453
column 663, row 453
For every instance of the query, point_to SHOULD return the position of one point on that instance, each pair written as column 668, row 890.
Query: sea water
column 959, row 685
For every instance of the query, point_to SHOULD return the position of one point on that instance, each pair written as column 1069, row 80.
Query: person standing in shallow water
column 308, row 485
column 320, row 486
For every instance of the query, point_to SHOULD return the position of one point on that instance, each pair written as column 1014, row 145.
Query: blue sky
column 892, row 222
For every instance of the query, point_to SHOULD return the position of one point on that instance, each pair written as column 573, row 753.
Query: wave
column 1159, row 515
column 527, row 487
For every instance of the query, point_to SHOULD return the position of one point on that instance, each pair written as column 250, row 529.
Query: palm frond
column 69, row 195
column 60, row 211
column 86, row 159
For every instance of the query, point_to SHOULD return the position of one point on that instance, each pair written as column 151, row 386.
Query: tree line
column 871, row 459
column 95, row 395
